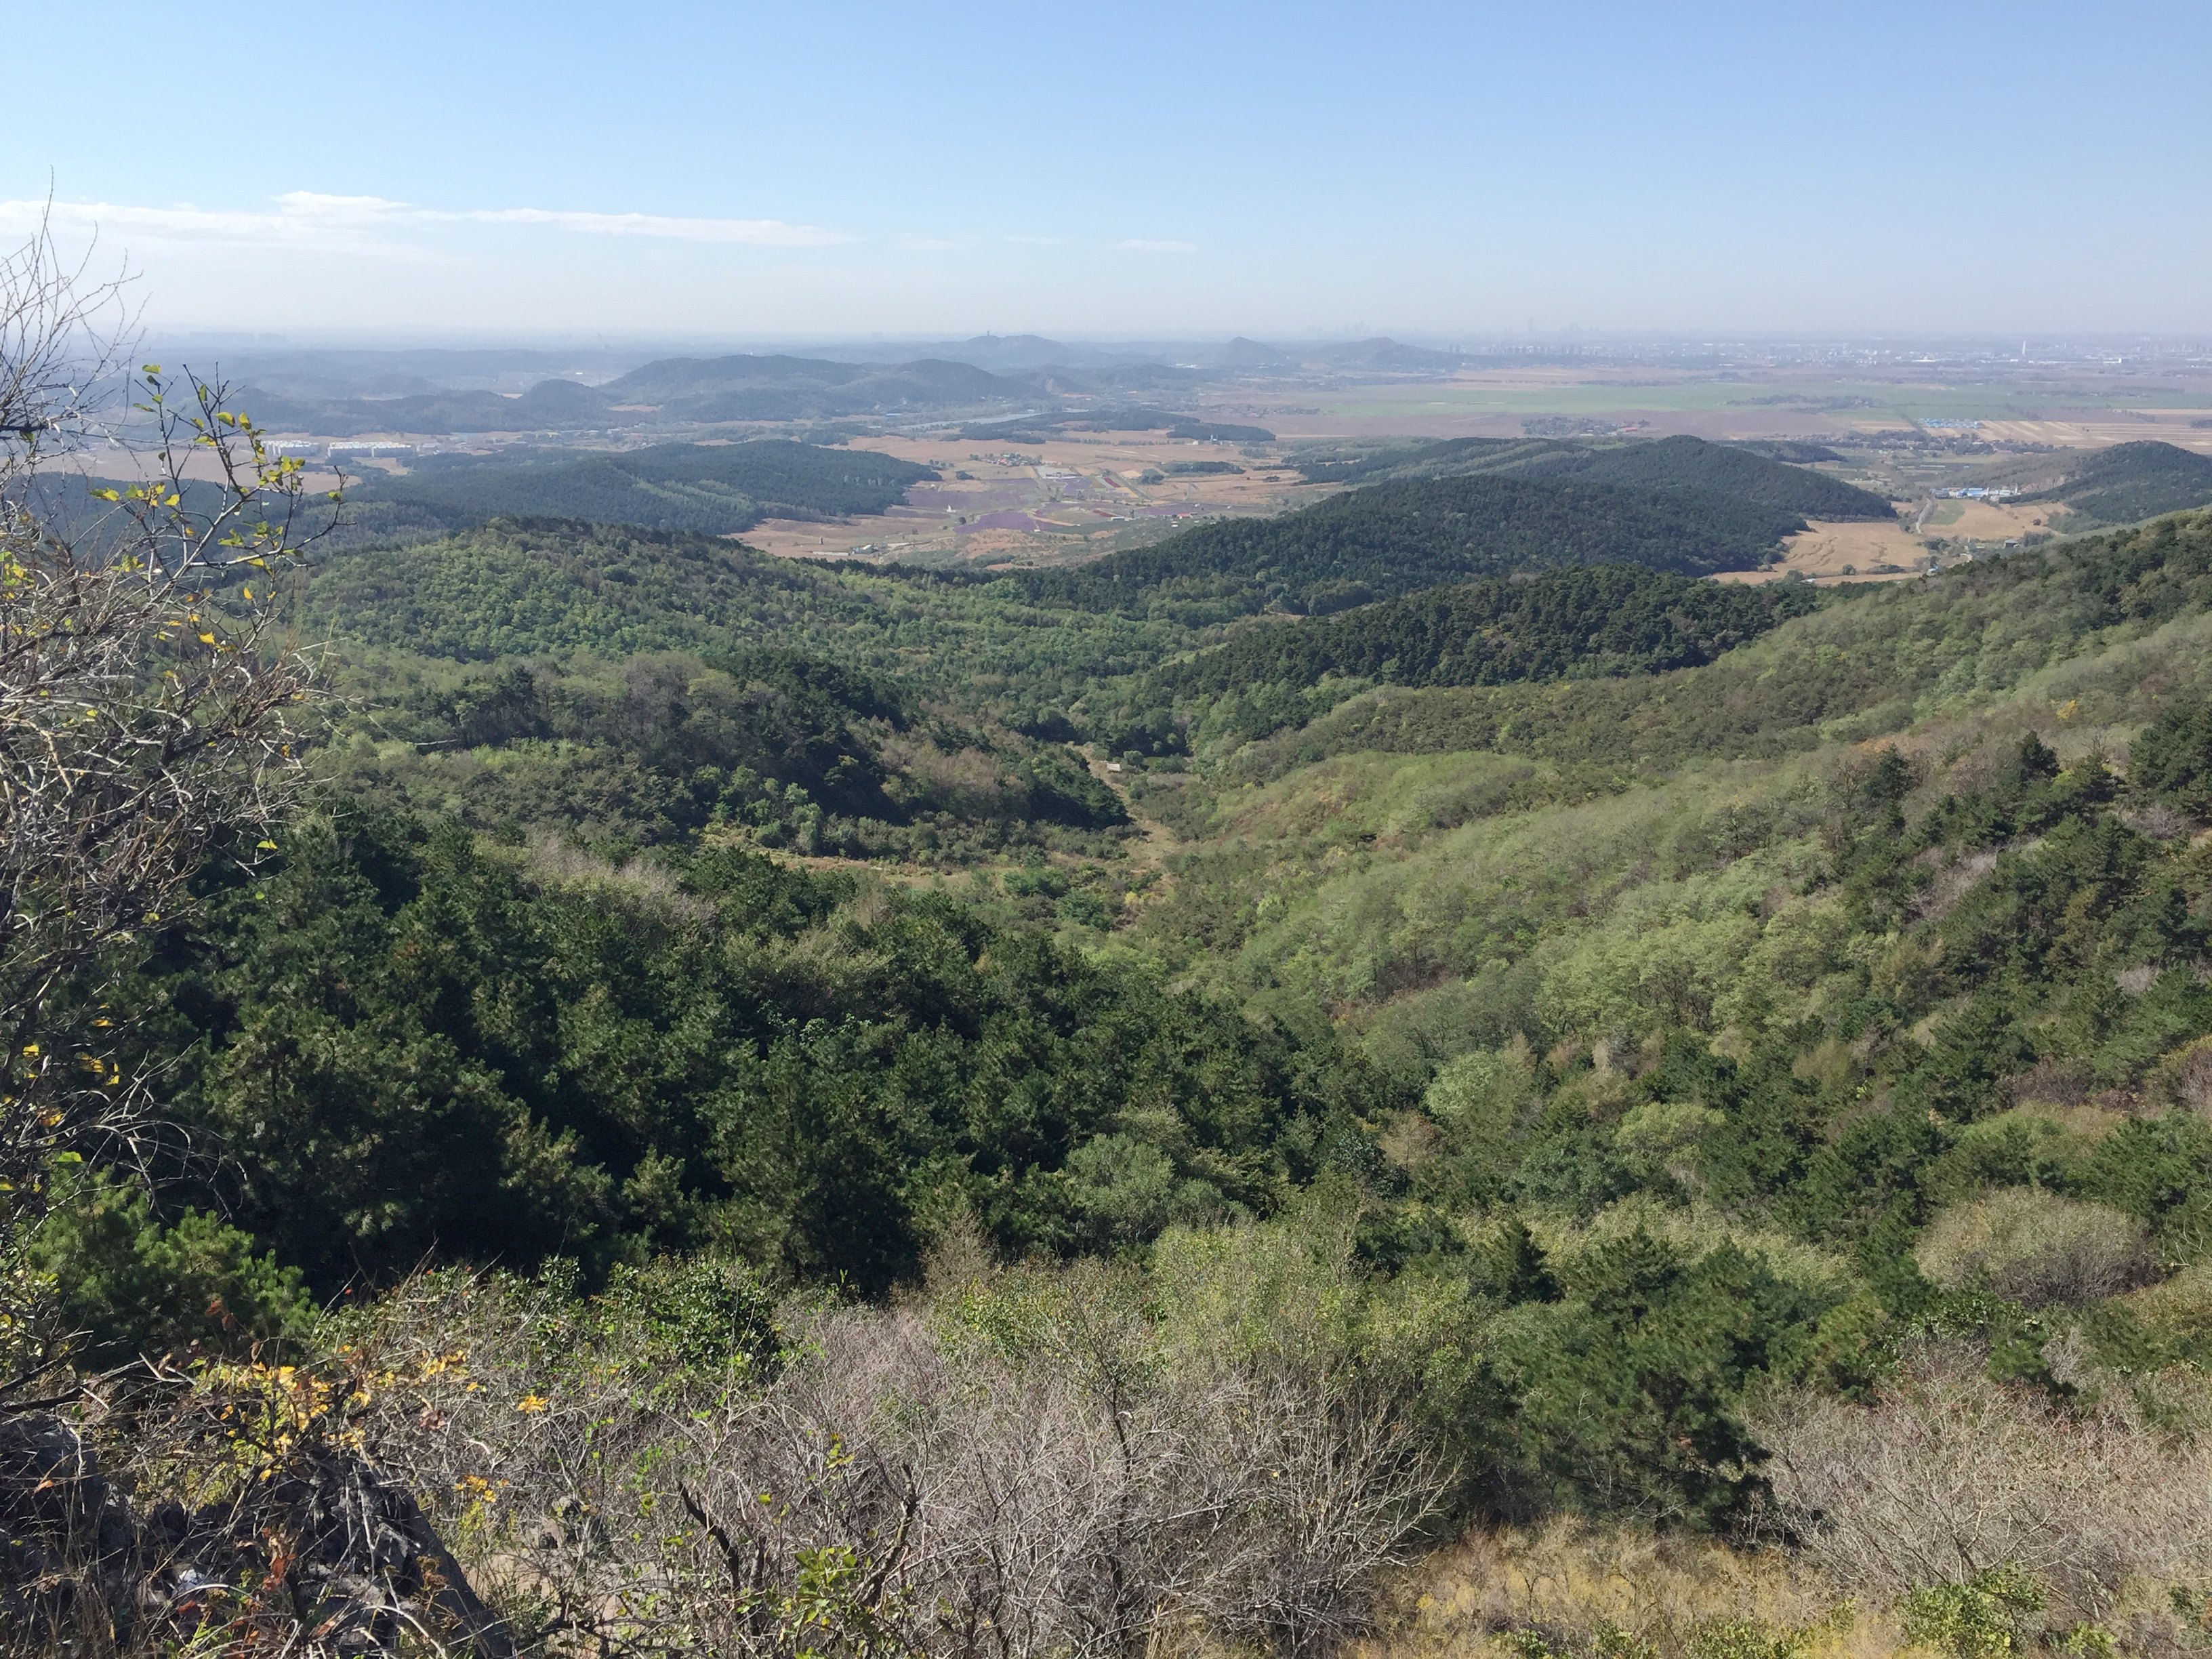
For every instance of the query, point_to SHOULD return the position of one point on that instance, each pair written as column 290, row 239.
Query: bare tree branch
column 146, row 707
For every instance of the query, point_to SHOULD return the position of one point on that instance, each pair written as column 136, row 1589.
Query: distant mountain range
column 1032, row 355
column 352, row 394
column 676, row 390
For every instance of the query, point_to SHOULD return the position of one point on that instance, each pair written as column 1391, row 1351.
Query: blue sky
column 664, row 169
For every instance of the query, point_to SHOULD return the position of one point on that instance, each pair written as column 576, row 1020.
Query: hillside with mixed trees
column 1608, row 619
column 714, row 489
column 702, row 1109
column 1768, row 474
column 1390, row 538
column 2127, row 482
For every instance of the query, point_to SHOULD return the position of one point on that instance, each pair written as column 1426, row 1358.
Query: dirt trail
column 1149, row 851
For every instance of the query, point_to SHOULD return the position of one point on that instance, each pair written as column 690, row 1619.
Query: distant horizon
column 1469, row 340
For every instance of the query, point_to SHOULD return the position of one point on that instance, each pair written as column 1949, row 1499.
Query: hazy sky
column 655, row 168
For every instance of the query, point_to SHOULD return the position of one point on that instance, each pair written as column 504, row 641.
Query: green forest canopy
column 1391, row 538
column 2132, row 481
column 1601, row 620
column 714, row 489
column 1748, row 472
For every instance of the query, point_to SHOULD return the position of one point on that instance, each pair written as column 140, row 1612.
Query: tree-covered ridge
column 1872, row 662
column 1687, row 463
column 551, row 405
column 781, row 388
column 710, row 488
column 1746, row 473
column 2130, row 482
column 1604, row 620
column 667, row 749
column 671, row 391
column 1394, row 539
column 1601, row 622
column 526, row 586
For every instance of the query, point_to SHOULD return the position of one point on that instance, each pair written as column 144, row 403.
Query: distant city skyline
column 728, row 173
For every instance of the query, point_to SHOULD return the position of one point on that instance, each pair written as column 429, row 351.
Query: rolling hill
column 671, row 391
column 712, row 489
column 2128, row 482
column 1848, row 672
column 777, row 388
column 1604, row 620
column 1677, row 463
column 525, row 587
column 549, row 406
column 1394, row 539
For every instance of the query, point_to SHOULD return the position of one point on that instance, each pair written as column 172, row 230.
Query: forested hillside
column 523, row 587
column 1603, row 621
column 551, row 405
column 781, row 388
column 1385, row 539
column 1745, row 471
column 715, row 489
column 2128, row 482
column 1609, row 619
column 626, row 688
column 1564, row 1054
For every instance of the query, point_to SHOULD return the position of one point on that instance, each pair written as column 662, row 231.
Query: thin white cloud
column 1140, row 245
column 308, row 219
column 764, row 232
column 921, row 244
column 302, row 219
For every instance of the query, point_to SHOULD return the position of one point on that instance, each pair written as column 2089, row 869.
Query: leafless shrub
column 551, row 859
column 2184, row 1077
column 1952, row 881
column 2158, row 821
column 2036, row 1248
column 2050, row 1083
column 61, row 340
column 907, row 1480
column 145, row 708
column 1948, row 1474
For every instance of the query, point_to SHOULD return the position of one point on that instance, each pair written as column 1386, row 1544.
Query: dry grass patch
column 1583, row 1588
